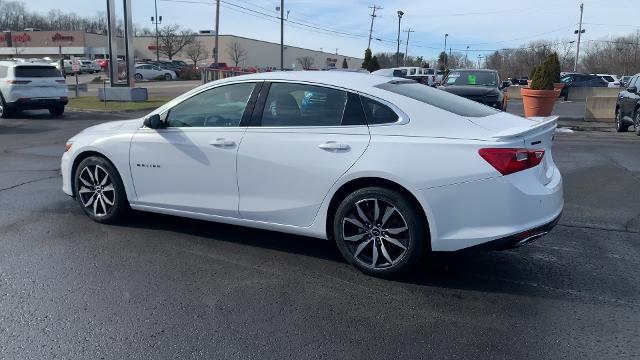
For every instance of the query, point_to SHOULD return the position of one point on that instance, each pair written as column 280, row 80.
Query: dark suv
column 482, row 86
column 628, row 106
column 580, row 80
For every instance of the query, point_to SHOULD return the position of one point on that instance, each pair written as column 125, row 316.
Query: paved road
column 565, row 109
column 163, row 287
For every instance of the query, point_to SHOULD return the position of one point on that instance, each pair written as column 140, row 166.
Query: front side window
column 307, row 105
column 222, row 106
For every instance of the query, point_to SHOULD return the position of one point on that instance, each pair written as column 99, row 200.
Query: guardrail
column 209, row 75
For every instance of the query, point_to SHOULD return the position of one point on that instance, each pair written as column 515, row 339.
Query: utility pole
column 156, row 21
column 406, row 46
column 373, row 16
column 400, row 13
column 580, row 31
column 281, row 35
column 215, row 45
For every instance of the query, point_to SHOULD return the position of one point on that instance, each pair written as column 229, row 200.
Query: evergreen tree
column 344, row 63
column 367, row 59
column 373, row 64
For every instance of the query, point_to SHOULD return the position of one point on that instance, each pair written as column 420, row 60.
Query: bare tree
column 306, row 62
column 196, row 52
column 173, row 39
column 236, row 52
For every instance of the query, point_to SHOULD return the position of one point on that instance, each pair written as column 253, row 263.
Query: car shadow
column 485, row 271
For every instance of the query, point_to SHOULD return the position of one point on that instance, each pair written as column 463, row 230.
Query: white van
column 25, row 85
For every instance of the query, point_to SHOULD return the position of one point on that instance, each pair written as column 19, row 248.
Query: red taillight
column 17, row 82
column 508, row 161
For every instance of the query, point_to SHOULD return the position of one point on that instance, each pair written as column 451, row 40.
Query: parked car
column 179, row 63
column 628, row 106
column 152, row 72
column 89, row 67
column 612, row 80
column 624, row 80
column 481, row 85
column 26, row 86
column 580, row 80
column 442, row 174
column 103, row 63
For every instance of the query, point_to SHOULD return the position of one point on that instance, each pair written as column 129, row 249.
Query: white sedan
column 153, row 72
column 386, row 167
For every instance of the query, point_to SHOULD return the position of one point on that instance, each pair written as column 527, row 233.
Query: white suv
column 25, row 85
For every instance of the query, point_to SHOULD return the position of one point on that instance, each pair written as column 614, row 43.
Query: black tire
column 138, row 77
column 56, row 110
column 167, row 77
column 110, row 190
column 620, row 124
column 360, row 251
column 636, row 122
column 5, row 112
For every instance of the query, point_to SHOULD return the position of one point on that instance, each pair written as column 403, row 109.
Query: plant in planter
column 531, row 75
column 540, row 97
column 557, row 84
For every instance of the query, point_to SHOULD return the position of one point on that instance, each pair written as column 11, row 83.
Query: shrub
column 555, row 67
column 544, row 75
column 189, row 73
column 533, row 72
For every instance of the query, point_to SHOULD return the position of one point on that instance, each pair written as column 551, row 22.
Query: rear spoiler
column 537, row 124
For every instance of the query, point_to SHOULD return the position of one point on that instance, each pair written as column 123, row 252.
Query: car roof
column 349, row 80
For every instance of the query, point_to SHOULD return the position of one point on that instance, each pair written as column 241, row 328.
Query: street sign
column 75, row 66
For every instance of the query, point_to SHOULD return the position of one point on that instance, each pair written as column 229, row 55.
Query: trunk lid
column 531, row 133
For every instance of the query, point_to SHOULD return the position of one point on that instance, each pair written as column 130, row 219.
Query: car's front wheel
column 636, row 122
column 138, row 77
column 620, row 125
column 167, row 77
column 99, row 190
column 379, row 231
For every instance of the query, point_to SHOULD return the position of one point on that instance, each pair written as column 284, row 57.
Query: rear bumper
column 37, row 103
column 517, row 240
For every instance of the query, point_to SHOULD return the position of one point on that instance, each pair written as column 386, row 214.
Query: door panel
column 184, row 169
column 284, row 174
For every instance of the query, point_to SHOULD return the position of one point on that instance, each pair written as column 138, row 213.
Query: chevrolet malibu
column 387, row 168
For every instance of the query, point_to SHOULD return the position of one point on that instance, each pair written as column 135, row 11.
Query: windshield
column 438, row 98
column 481, row 78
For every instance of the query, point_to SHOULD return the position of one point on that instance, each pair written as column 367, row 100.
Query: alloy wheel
column 95, row 189
column 376, row 233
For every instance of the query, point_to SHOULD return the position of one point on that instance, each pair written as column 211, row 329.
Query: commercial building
column 255, row 53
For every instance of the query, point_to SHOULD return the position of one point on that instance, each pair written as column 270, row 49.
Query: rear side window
column 3, row 71
column 378, row 113
column 308, row 105
column 438, row 98
column 36, row 71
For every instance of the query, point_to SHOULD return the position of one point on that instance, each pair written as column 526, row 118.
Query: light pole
column 400, row 13
column 466, row 57
column 445, row 50
column 156, row 21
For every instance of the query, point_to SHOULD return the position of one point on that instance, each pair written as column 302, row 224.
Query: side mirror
column 153, row 122
column 633, row 90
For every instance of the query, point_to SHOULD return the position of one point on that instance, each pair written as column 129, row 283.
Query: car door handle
column 334, row 146
column 222, row 142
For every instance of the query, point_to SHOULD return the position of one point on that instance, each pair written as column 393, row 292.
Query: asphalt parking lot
column 160, row 287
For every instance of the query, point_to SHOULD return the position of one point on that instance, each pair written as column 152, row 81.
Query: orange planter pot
column 558, row 86
column 538, row 102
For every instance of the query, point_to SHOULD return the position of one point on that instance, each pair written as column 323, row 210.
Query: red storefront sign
column 21, row 38
column 60, row 37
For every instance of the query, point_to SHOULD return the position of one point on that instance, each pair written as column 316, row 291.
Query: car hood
column 120, row 125
column 471, row 90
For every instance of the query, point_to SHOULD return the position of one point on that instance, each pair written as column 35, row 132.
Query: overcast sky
column 481, row 25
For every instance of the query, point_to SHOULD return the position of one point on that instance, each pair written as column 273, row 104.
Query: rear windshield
column 438, row 98
column 36, row 71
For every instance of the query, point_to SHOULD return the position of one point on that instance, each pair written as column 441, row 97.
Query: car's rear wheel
column 636, row 122
column 620, row 125
column 5, row 112
column 379, row 231
column 167, row 76
column 56, row 110
column 99, row 190
column 138, row 77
